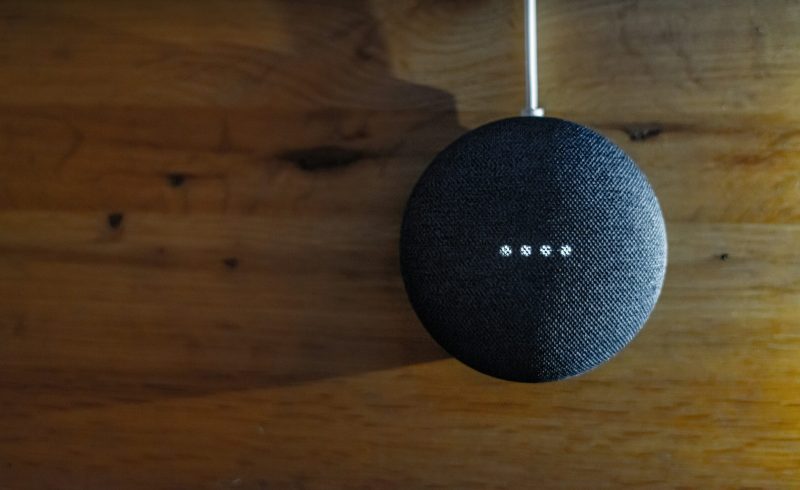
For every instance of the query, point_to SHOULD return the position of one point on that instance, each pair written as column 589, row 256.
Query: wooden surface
column 199, row 213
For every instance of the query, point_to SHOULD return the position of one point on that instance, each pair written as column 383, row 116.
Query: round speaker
column 533, row 249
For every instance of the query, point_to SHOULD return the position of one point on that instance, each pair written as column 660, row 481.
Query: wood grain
column 199, row 210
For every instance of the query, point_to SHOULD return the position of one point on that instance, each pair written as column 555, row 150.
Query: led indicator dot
column 526, row 250
column 565, row 250
column 546, row 250
column 506, row 251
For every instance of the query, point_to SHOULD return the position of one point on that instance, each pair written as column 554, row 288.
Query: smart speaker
column 532, row 248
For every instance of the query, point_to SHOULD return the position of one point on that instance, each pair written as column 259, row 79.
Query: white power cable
column 531, row 62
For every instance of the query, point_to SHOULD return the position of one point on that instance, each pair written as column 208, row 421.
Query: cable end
column 531, row 112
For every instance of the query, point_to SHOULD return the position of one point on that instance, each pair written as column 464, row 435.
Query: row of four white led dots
column 544, row 250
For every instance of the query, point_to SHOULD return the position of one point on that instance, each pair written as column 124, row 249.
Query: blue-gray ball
column 533, row 249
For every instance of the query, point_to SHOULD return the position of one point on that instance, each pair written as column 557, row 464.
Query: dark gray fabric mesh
column 533, row 182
